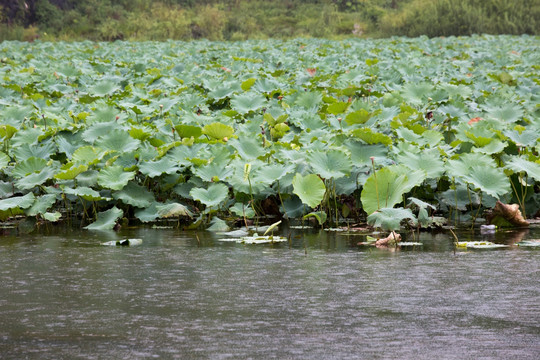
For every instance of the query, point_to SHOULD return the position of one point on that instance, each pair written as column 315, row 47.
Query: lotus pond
column 406, row 131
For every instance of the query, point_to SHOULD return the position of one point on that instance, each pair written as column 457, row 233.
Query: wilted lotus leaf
column 390, row 240
column 505, row 215
column 174, row 209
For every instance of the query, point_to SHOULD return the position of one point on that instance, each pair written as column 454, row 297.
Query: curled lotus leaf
column 106, row 220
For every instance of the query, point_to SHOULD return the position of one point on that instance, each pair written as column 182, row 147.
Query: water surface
column 320, row 297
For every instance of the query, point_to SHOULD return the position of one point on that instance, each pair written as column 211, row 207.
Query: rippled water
column 321, row 297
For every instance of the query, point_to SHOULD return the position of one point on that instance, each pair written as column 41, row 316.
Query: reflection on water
column 321, row 296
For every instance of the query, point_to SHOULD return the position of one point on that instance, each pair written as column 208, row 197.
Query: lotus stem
column 376, row 182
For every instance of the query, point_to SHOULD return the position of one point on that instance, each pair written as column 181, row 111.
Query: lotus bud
column 339, row 119
column 161, row 106
column 247, row 170
column 117, row 117
column 430, row 99
column 225, row 139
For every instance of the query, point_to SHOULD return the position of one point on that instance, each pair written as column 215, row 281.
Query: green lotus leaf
column 239, row 209
column 135, row 195
column 41, row 205
column 118, row 140
column 490, row 180
column 188, row 131
column 7, row 131
column 309, row 100
column 428, row 160
column 218, row 131
column 245, row 103
column 42, row 151
column 495, row 146
column 218, row 225
column 508, row 113
column 518, row 165
column 338, row 108
column 87, row 155
column 331, row 164
column 371, row 137
column 310, row 189
column 32, row 180
column 106, row 220
column 384, row 189
column 164, row 165
column 274, row 172
column 173, row 209
column 86, row 193
column 148, row 214
column 214, row 195
column 525, row 138
column 319, row 215
column 248, row 148
column 52, row 216
column 212, row 172
column 71, row 173
column 278, row 131
column 98, row 130
column 114, row 177
column 28, row 166
column 390, row 218
column 358, row 117
column 361, row 154
column 139, row 134
column 4, row 160
column 104, row 88
column 21, row 202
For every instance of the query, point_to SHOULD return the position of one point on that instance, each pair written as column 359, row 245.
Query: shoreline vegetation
column 403, row 131
column 238, row 20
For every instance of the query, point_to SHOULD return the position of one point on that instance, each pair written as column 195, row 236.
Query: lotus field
column 399, row 130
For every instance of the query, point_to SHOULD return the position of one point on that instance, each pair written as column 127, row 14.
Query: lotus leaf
column 214, row 195
column 384, row 189
column 218, row 131
column 172, row 209
column 518, row 165
column 21, row 202
column 41, row 205
column 310, row 189
column 390, row 218
column 134, row 195
column 245, row 103
column 331, row 164
column 71, row 173
column 114, row 177
column 118, row 140
column 106, row 220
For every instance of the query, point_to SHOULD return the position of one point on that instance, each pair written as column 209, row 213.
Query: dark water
column 64, row 297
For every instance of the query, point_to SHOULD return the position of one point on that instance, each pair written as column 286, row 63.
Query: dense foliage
column 259, row 19
column 408, row 127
